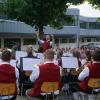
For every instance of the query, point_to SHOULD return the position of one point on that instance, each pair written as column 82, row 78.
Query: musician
column 59, row 55
column 8, row 73
column 30, row 52
column 47, row 43
column 90, row 71
column 47, row 71
column 88, row 57
column 23, row 74
column 13, row 52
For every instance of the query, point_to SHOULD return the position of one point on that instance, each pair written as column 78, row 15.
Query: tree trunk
column 41, row 32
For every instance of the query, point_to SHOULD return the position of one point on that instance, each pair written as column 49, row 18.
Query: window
column 11, row 41
column 97, row 39
column 97, row 25
column 88, row 39
column 29, row 41
column 72, row 23
column 71, row 40
column 83, row 25
column 64, row 40
column 82, row 40
column 56, row 40
column 92, row 25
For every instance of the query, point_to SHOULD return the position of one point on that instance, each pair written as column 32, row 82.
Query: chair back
column 7, row 89
column 28, row 73
column 49, row 87
column 94, row 82
column 74, row 72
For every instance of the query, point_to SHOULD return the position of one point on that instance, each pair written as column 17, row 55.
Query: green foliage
column 14, row 8
column 98, row 19
column 2, row 8
column 40, row 13
column 95, row 3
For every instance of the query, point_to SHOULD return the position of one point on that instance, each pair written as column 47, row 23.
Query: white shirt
column 42, row 42
column 17, row 77
column 85, row 73
column 35, row 73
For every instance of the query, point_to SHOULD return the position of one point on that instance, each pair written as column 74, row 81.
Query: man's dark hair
column 96, row 55
column 88, row 55
column 6, row 55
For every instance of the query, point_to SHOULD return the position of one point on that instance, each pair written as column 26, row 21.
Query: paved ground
column 62, row 96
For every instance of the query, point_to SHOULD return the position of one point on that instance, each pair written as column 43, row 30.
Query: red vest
column 94, row 72
column 7, row 75
column 48, row 73
column 46, row 45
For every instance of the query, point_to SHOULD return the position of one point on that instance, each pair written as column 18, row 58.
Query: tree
column 95, row 3
column 2, row 7
column 40, row 13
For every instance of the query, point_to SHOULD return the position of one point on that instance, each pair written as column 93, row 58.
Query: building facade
column 83, row 30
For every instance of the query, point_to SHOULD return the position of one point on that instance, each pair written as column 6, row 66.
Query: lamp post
column 78, row 33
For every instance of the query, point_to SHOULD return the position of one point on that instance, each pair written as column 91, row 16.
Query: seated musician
column 24, row 75
column 48, row 72
column 59, row 55
column 75, row 71
column 8, row 73
column 90, row 71
column 72, row 73
column 30, row 52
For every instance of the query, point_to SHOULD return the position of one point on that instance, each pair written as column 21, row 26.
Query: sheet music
column 68, row 54
column 69, row 62
column 55, row 62
column 28, row 63
column 13, row 63
column 83, row 61
column 20, row 54
column 41, row 56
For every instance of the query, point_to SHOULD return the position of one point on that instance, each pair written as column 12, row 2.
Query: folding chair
column 7, row 89
column 24, row 77
column 94, row 83
column 26, row 83
column 50, row 88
